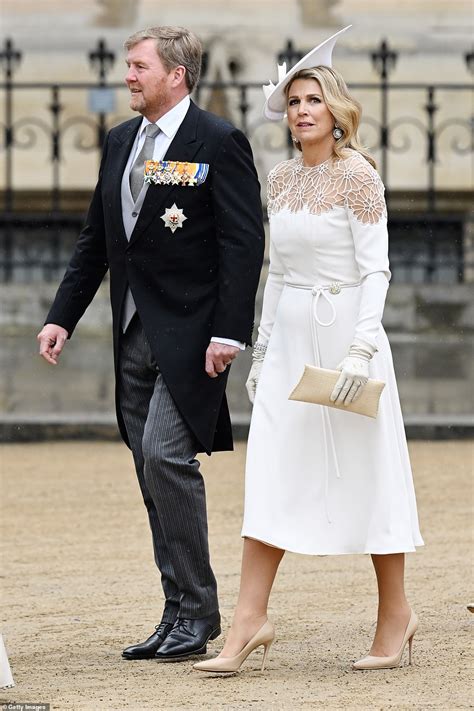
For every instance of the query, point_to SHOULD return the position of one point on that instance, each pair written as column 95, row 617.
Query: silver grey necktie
column 146, row 153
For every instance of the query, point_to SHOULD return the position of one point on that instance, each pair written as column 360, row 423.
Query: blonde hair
column 175, row 46
column 344, row 108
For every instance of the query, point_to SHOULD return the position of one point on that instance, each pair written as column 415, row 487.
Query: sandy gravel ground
column 78, row 583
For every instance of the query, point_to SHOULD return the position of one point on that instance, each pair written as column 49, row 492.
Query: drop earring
column 295, row 140
column 337, row 132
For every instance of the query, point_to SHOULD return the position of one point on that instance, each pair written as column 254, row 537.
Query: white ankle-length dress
column 319, row 480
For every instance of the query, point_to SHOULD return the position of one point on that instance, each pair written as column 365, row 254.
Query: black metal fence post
column 384, row 60
column 54, row 241
column 290, row 56
column 102, row 60
column 244, row 107
column 55, row 108
column 431, row 109
column 10, row 58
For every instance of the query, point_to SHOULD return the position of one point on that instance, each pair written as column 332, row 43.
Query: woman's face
column 309, row 118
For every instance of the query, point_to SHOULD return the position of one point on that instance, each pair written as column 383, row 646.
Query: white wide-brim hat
column 275, row 104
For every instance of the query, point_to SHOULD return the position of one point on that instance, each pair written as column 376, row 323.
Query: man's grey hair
column 175, row 46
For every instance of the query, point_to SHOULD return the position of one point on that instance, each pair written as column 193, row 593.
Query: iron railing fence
column 385, row 137
column 428, row 241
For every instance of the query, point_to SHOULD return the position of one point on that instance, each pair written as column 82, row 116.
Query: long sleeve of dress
column 367, row 216
column 271, row 296
column 274, row 284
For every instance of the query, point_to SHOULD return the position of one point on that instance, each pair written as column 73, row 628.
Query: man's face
column 149, row 83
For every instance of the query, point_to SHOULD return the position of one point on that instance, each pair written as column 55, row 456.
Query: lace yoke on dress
column 350, row 182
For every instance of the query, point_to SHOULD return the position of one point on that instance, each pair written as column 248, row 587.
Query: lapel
column 183, row 147
column 122, row 141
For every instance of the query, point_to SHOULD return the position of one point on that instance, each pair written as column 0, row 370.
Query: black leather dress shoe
column 189, row 637
column 148, row 648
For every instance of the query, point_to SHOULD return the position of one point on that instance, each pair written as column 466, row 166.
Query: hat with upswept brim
column 275, row 104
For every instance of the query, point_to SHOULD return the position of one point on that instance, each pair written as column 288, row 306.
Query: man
column 184, row 249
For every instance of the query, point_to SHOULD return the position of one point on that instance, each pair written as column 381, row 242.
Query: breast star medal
column 173, row 217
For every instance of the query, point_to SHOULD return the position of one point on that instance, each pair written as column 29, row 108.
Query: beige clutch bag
column 316, row 385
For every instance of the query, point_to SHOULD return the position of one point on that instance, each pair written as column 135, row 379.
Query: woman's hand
column 258, row 354
column 351, row 382
column 252, row 380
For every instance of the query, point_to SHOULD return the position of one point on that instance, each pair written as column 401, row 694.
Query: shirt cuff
column 229, row 342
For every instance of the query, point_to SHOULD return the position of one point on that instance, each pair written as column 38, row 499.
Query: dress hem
column 367, row 551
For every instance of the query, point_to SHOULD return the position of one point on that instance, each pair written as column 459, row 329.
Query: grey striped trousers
column 164, row 451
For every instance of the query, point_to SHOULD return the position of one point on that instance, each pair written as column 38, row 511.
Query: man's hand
column 52, row 339
column 218, row 357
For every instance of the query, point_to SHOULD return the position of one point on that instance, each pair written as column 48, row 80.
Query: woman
column 320, row 480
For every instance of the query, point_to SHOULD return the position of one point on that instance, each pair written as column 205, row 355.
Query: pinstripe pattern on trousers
column 164, row 451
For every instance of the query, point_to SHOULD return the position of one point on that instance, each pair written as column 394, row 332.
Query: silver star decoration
column 173, row 217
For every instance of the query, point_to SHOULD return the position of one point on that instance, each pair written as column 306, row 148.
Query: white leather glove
column 258, row 355
column 354, row 376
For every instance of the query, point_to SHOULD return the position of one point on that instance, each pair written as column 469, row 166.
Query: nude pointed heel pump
column 264, row 637
column 394, row 660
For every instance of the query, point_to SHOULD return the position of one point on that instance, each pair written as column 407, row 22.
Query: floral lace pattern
column 350, row 182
